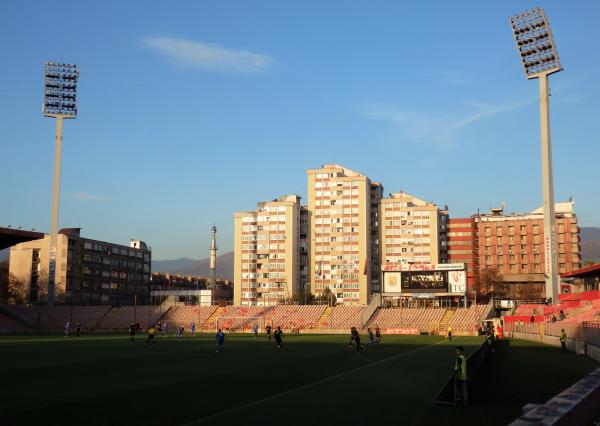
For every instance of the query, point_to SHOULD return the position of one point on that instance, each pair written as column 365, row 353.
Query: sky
column 190, row 111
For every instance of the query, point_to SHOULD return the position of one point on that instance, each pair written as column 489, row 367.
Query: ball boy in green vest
column 460, row 377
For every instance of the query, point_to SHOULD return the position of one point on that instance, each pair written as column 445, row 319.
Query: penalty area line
column 308, row 385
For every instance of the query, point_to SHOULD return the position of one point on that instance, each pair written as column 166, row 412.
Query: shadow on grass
column 517, row 373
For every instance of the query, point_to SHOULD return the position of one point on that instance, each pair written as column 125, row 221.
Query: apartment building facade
column 375, row 271
column 303, row 251
column 339, row 212
column 412, row 231
column 88, row 272
column 267, row 253
column 340, row 241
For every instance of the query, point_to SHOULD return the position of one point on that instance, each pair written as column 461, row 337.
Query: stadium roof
column 583, row 272
column 10, row 237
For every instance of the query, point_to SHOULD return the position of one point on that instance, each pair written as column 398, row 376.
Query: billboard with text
column 412, row 279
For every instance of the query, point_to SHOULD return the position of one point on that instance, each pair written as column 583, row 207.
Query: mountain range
column 186, row 266
column 590, row 244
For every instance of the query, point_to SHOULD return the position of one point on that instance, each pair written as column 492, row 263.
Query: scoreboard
column 442, row 279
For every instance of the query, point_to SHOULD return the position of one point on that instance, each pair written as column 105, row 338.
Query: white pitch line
column 306, row 386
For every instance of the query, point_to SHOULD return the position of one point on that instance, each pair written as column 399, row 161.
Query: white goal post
column 242, row 324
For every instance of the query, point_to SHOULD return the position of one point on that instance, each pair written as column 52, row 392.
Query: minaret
column 213, row 257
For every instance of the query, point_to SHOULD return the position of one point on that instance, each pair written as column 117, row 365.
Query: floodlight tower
column 540, row 59
column 60, row 102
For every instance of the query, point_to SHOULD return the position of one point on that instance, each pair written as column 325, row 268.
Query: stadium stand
column 186, row 315
column 295, row 316
column 10, row 325
column 344, row 317
column 236, row 318
column 468, row 319
column 30, row 315
column 242, row 318
column 576, row 307
column 423, row 319
column 120, row 318
column 529, row 309
column 589, row 310
column 87, row 316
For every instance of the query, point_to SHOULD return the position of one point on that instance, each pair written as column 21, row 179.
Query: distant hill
column 590, row 244
column 171, row 265
column 186, row 266
column 590, row 233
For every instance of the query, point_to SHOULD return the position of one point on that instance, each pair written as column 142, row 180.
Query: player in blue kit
column 220, row 340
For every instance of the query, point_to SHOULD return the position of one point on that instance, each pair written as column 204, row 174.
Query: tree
column 327, row 296
column 3, row 282
column 490, row 281
column 16, row 290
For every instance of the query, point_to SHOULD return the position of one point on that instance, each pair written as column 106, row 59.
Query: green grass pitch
column 105, row 380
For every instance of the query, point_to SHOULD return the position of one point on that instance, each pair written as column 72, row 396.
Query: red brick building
column 463, row 247
column 513, row 246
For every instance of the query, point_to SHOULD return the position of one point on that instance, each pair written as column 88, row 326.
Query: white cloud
column 435, row 126
column 207, row 56
column 450, row 78
column 84, row 196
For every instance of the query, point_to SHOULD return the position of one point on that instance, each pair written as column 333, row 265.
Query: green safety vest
column 462, row 374
column 563, row 337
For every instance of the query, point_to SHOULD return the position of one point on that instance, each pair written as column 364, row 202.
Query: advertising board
column 424, row 279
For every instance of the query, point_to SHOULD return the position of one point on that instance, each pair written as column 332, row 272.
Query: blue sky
column 190, row 111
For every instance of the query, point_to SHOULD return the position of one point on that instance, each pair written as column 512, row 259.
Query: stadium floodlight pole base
column 54, row 217
column 550, row 258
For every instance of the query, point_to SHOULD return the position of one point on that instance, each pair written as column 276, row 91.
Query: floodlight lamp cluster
column 535, row 43
column 60, row 89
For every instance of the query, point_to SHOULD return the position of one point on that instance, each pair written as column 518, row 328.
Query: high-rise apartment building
column 412, row 231
column 376, row 196
column 267, row 253
column 339, row 215
column 87, row 271
column 303, row 251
